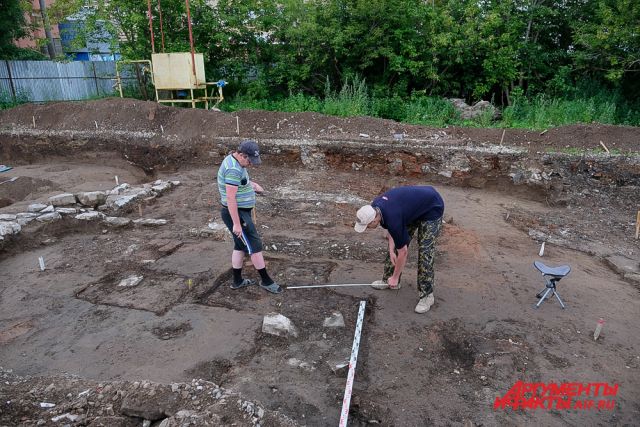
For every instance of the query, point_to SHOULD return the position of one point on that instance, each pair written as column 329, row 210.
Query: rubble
column 85, row 202
column 64, row 199
column 92, row 198
column 150, row 222
column 131, row 281
column 277, row 324
column 334, row 321
column 126, row 403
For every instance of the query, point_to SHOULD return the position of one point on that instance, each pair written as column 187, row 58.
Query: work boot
column 382, row 284
column 425, row 304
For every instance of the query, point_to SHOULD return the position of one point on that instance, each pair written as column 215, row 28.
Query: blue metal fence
column 41, row 81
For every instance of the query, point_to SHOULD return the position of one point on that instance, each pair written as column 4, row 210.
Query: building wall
column 35, row 17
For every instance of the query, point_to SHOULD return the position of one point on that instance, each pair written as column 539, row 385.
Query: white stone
column 64, row 199
column 150, row 222
column 26, row 215
column 117, row 221
column 334, row 321
column 25, row 220
column 300, row 364
column 175, row 183
column 48, row 209
column 120, row 188
column 9, row 228
column 131, row 281
column 92, row 198
column 66, row 416
column 8, row 217
column 277, row 324
column 161, row 187
column 67, row 211
column 49, row 217
column 118, row 202
column 341, row 368
column 36, row 207
column 90, row 216
column 216, row 226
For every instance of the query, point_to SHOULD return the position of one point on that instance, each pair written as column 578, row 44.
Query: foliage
column 8, row 101
column 14, row 26
column 409, row 53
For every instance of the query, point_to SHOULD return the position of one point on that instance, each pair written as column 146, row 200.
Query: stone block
column 64, row 199
column 277, row 324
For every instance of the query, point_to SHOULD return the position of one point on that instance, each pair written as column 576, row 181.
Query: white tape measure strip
column 346, row 401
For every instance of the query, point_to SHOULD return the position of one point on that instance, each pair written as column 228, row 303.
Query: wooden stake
column 237, row 125
column 502, row 139
column 605, row 147
column 638, row 225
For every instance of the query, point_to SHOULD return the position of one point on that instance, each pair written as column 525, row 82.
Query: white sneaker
column 425, row 304
column 382, row 284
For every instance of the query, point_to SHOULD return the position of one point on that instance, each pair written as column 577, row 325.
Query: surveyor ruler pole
column 329, row 286
column 346, row 401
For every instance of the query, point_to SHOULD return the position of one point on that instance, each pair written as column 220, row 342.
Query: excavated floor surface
column 184, row 322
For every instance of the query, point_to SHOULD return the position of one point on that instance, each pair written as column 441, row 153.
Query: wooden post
column 638, row 225
column 95, row 78
column 13, row 89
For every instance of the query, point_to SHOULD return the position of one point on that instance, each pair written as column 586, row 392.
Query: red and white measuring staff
column 346, row 401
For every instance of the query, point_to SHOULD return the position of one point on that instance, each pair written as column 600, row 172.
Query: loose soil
column 72, row 326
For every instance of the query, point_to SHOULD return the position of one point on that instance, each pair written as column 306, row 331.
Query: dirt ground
column 71, row 326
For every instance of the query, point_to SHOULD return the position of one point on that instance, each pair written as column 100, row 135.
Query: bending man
column 401, row 212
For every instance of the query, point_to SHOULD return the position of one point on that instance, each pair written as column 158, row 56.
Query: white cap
column 365, row 215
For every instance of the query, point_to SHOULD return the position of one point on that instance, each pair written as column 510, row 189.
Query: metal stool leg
column 558, row 296
column 543, row 297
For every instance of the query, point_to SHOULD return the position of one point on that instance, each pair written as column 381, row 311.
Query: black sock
column 265, row 276
column 237, row 276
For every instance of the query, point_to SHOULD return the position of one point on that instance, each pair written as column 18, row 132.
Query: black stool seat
column 558, row 272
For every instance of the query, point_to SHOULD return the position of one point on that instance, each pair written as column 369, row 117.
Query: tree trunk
column 47, row 29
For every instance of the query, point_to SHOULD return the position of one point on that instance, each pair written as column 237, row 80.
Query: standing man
column 238, row 197
column 401, row 211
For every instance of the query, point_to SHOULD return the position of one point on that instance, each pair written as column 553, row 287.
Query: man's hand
column 237, row 230
column 257, row 187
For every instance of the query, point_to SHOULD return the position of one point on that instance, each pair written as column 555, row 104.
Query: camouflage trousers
column 428, row 232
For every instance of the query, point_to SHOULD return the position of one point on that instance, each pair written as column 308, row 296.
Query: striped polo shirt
column 232, row 173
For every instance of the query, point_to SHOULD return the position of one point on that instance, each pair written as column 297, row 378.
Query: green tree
column 14, row 26
column 609, row 43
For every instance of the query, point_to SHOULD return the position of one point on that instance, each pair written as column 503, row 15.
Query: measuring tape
column 346, row 401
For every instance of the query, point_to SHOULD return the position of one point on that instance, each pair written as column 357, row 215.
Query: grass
column 536, row 113
column 7, row 101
